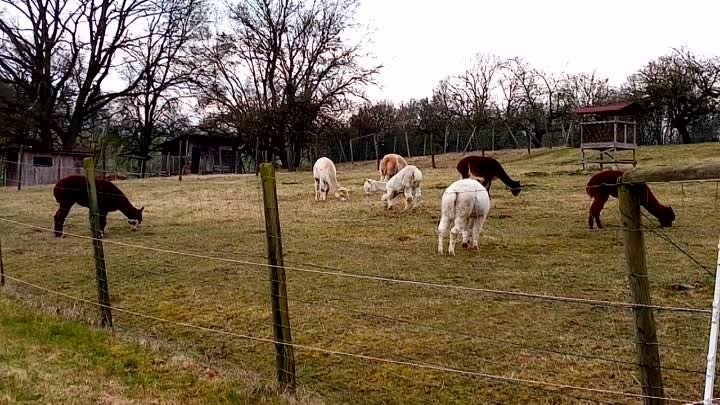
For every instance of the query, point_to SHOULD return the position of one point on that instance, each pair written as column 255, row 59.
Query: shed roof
column 621, row 108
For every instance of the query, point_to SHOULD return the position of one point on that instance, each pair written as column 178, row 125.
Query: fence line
column 545, row 297
column 428, row 366
column 447, row 330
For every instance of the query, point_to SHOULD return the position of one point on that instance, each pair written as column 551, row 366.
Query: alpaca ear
column 142, row 209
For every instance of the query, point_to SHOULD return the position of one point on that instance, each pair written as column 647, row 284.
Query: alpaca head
column 367, row 186
column 135, row 221
column 516, row 189
column 667, row 218
column 342, row 193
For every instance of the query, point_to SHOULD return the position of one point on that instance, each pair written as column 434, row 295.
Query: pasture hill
column 379, row 317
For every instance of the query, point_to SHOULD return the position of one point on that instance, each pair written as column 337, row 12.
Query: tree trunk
column 257, row 155
column 682, row 128
column 290, row 158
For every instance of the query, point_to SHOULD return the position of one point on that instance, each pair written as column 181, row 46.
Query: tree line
column 283, row 79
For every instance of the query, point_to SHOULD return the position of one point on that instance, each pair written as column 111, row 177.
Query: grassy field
column 537, row 242
column 44, row 360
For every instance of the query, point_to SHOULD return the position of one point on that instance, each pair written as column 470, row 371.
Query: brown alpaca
column 605, row 184
column 72, row 190
column 390, row 165
column 487, row 168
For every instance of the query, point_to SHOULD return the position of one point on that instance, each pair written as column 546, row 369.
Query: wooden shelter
column 200, row 154
column 608, row 133
column 30, row 167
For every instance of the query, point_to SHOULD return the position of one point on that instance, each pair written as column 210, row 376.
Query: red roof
column 626, row 107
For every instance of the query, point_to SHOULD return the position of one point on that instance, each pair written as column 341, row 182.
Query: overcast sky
column 422, row 41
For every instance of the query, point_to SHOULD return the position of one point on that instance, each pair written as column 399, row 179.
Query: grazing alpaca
column 390, row 165
column 373, row 186
column 605, row 184
column 73, row 190
column 406, row 181
column 466, row 202
column 487, row 168
column 326, row 180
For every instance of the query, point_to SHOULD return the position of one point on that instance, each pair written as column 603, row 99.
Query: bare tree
column 685, row 86
column 529, row 94
column 474, row 89
column 299, row 64
column 61, row 52
column 166, row 62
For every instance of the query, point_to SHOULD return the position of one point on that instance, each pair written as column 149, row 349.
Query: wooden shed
column 200, row 154
column 30, row 168
column 608, row 133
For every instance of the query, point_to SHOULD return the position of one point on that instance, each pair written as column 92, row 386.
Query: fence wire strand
column 428, row 366
column 520, row 294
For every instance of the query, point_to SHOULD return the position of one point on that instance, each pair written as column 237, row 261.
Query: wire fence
column 524, row 312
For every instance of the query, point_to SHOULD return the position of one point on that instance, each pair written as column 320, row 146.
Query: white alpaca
column 326, row 180
column 373, row 186
column 406, row 181
column 466, row 202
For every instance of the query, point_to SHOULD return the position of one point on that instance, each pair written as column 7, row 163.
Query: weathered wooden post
column 285, row 359
column 407, row 144
column 352, row 158
column 2, row 267
column 377, row 152
column 647, row 353
column 100, row 274
column 20, row 167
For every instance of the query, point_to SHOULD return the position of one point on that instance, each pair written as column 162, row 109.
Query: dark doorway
column 195, row 161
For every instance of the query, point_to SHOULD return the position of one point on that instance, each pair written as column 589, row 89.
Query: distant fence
column 216, row 313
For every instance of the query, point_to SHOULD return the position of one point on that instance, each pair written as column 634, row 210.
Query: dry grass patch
column 536, row 242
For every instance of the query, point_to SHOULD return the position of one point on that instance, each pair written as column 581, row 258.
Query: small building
column 608, row 133
column 37, row 168
column 200, row 154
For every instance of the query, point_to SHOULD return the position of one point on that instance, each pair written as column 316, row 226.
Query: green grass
column 536, row 242
column 44, row 360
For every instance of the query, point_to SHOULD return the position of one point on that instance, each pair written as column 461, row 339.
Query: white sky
column 420, row 42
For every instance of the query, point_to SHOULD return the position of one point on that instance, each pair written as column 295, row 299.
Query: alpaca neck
column 379, row 185
column 651, row 203
column 503, row 176
column 128, row 210
column 334, row 186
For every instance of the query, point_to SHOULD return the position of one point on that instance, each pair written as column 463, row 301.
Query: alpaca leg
column 103, row 223
column 442, row 229
column 597, row 206
column 325, row 191
column 390, row 197
column 408, row 197
column 465, row 235
column 417, row 195
column 487, row 184
column 477, row 231
column 458, row 228
column 317, row 189
column 59, row 219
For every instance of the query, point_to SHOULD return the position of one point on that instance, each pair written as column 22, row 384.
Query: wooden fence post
column 284, row 356
column 352, row 158
column 2, row 267
column 377, row 152
column 100, row 274
column 647, row 353
column 20, row 167
column 407, row 144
